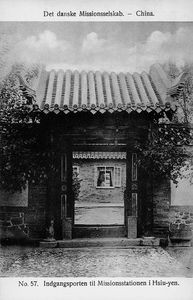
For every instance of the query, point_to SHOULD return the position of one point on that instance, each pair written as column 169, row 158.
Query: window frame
column 119, row 180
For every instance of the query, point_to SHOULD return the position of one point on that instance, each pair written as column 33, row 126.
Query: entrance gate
column 131, row 206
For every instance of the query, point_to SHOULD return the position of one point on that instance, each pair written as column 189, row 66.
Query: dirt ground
column 98, row 215
column 96, row 262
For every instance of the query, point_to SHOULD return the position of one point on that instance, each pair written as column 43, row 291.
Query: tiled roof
column 75, row 91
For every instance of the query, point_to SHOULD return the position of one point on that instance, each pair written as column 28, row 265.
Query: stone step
column 99, row 232
column 101, row 242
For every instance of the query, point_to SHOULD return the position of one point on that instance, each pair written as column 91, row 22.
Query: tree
column 23, row 151
column 165, row 153
column 184, row 95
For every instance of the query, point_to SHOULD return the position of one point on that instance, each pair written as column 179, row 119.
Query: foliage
column 185, row 96
column 24, row 154
column 185, row 99
column 164, row 154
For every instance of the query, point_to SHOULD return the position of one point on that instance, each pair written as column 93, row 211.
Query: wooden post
column 66, row 195
column 131, row 200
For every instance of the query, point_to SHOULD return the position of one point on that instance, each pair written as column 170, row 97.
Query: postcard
column 96, row 173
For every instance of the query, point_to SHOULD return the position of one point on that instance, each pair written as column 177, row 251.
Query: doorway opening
column 99, row 180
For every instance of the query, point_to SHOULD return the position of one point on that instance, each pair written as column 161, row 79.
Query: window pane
column 101, row 176
column 117, row 176
column 109, row 177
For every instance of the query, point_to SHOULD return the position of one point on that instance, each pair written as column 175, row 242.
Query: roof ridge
column 155, row 65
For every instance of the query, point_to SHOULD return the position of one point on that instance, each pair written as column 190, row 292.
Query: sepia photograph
column 96, row 151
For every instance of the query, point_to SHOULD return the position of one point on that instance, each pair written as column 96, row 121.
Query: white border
column 32, row 10
column 10, row 289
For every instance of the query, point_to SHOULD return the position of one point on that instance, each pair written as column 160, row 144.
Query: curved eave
column 177, row 85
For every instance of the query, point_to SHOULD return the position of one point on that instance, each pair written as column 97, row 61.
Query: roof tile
column 95, row 91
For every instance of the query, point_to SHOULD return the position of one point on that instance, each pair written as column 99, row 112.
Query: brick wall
column 20, row 221
column 35, row 216
column 14, row 199
column 181, row 214
column 161, row 206
column 89, row 192
column 181, row 225
column 12, row 225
